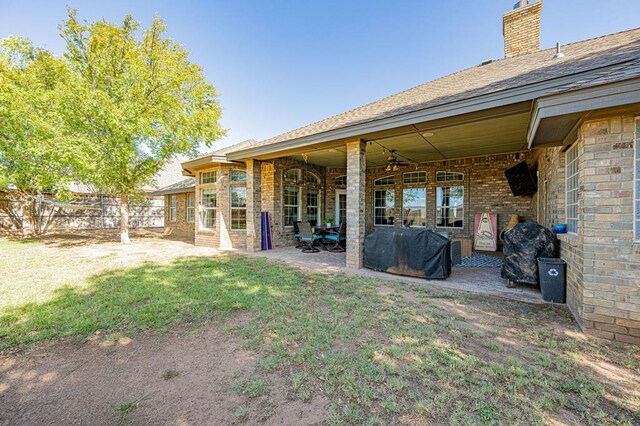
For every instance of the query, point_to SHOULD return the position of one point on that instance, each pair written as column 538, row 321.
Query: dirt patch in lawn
column 183, row 377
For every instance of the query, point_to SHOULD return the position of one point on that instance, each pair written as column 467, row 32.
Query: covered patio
column 478, row 280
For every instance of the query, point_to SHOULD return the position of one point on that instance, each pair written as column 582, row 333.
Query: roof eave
column 610, row 95
column 528, row 92
column 189, row 166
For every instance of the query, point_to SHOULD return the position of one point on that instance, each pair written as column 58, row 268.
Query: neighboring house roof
column 168, row 175
column 185, row 185
column 621, row 48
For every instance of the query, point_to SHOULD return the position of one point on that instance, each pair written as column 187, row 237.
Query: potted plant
column 327, row 222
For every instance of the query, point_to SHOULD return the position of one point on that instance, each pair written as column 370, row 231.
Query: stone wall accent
column 521, row 30
column 356, row 210
column 179, row 228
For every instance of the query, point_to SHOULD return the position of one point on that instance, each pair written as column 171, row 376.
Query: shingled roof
column 621, row 48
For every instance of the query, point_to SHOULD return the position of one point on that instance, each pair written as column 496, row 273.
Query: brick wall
column 485, row 190
column 521, row 30
column 179, row 228
column 221, row 236
column 603, row 275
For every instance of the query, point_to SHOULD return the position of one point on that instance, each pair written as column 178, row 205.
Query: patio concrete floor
column 474, row 280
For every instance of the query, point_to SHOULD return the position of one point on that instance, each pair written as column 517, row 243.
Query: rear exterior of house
column 435, row 155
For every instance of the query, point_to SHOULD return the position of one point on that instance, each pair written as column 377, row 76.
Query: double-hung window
column 291, row 204
column 571, row 189
column 208, row 200
column 313, row 205
column 450, row 207
column 384, row 204
column 173, row 207
column 191, row 208
column 238, row 208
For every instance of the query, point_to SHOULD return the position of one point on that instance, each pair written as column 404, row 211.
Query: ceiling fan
column 394, row 163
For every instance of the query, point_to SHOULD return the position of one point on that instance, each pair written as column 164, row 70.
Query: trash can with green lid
column 553, row 284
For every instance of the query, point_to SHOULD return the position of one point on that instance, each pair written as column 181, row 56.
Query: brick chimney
column 521, row 28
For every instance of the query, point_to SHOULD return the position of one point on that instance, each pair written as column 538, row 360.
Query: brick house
column 569, row 112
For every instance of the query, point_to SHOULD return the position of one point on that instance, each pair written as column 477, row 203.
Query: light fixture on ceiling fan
column 394, row 163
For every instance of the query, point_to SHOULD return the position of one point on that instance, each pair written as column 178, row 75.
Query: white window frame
column 375, row 208
column 237, row 208
column 213, row 173
column 191, row 208
column 636, row 183
column 464, row 222
column 296, row 179
column 425, row 205
column 214, row 209
column 571, row 175
column 316, row 206
column 173, row 208
column 284, row 206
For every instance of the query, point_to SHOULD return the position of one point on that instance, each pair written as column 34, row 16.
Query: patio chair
column 308, row 238
column 296, row 234
column 338, row 238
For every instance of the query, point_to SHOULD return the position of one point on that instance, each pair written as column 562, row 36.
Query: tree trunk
column 124, row 219
column 27, row 217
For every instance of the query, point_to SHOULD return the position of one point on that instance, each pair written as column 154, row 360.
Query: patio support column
column 254, row 206
column 356, row 177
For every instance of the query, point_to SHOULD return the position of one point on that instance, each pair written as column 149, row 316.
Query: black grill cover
column 523, row 245
column 408, row 251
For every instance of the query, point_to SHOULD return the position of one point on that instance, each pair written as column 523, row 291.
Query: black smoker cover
column 523, row 245
column 417, row 252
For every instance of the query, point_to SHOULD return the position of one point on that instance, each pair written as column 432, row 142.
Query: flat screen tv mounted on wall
column 521, row 179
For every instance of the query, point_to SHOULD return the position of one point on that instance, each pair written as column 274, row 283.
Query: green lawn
column 381, row 352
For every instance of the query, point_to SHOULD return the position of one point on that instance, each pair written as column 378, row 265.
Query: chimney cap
column 521, row 3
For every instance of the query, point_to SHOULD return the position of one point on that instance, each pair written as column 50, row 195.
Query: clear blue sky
column 283, row 64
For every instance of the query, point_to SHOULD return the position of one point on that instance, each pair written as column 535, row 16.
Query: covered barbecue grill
column 523, row 245
column 417, row 252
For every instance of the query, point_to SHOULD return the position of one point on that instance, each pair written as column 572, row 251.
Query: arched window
column 292, row 175
column 383, row 181
column 341, row 180
column 238, row 176
column 311, row 178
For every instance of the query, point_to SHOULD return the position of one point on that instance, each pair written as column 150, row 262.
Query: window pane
column 238, row 197
column 312, row 205
column 291, row 204
column 571, row 189
column 209, row 198
column 208, row 177
column 341, row 181
column 414, row 207
column 449, row 206
column 387, row 180
column 293, row 174
column 415, row 177
column 238, row 176
column 384, row 203
column 449, row 177
column 312, row 178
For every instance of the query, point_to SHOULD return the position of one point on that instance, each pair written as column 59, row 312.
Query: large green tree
column 38, row 151
column 138, row 99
